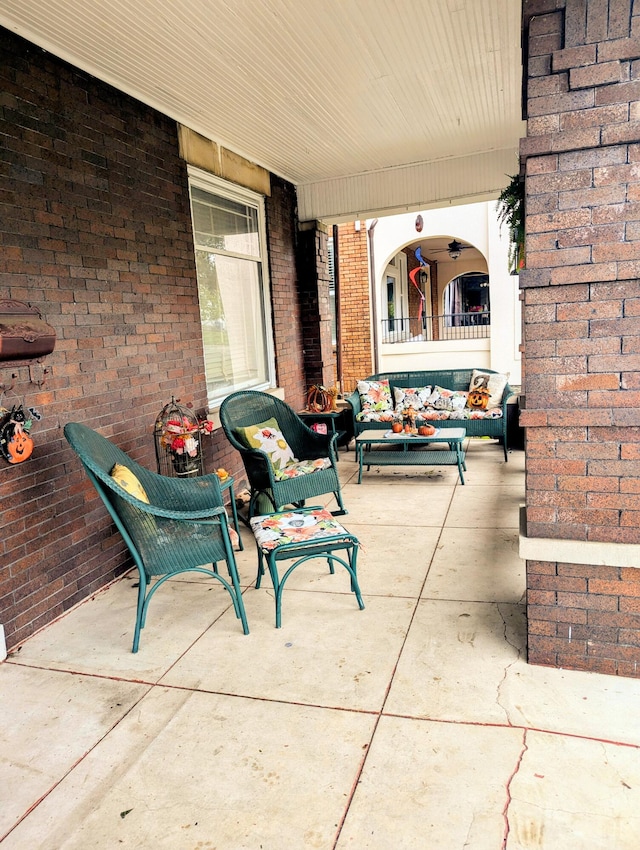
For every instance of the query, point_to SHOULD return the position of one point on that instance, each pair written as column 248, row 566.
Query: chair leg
column 260, row 569
column 141, row 611
column 238, row 602
column 342, row 510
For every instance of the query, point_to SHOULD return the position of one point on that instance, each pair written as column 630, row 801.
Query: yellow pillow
column 268, row 437
column 128, row 481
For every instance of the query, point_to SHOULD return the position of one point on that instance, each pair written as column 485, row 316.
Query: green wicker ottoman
column 300, row 535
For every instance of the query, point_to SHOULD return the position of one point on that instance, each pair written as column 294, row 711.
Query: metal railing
column 471, row 325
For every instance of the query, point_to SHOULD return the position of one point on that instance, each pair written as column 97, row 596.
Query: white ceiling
column 365, row 105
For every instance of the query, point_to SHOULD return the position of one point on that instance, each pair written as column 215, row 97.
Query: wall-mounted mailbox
column 24, row 335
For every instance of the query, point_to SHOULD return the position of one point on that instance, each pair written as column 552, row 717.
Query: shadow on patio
column 415, row 723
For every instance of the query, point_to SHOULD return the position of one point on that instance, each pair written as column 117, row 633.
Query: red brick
column 574, row 57
column 595, row 75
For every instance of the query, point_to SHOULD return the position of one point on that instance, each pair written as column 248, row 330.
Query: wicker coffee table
column 410, row 449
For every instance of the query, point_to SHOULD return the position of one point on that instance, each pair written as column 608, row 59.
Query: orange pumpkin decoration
column 426, row 430
column 396, row 427
column 478, row 398
column 19, row 447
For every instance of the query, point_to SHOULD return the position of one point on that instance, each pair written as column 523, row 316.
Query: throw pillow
column 375, row 395
column 444, row 399
column 415, row 397
column 268, row 438
column 495, row 383
column 123, row 476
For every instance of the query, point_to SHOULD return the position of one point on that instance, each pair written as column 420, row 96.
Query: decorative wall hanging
column 16, row 444
column 24, row 335
column 178, row 433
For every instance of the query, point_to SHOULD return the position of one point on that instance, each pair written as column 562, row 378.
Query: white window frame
column 215, row 185
column 397, row 270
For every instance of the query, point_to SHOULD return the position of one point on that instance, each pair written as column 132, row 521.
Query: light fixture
column 454, row 249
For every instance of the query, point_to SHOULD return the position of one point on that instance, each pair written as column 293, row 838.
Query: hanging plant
column 511, row 212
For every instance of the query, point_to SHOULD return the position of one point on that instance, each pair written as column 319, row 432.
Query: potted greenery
column 511, row 213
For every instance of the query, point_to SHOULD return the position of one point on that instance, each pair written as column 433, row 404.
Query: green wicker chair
column 249, row 407
column 183, row 528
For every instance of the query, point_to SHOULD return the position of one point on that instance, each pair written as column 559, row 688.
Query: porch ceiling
column 368, row 106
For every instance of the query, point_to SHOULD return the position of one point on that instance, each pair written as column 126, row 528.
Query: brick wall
column 355, row 313
column 95, row 231
column 582, row 326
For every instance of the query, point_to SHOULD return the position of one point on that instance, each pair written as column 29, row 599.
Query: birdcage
column 178, row 441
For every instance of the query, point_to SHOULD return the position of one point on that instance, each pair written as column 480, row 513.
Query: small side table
column 330, row 417
column 227, row 484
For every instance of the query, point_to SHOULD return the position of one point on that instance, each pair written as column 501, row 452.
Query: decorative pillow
column 494, row 383
column 415, row 397
column 268, row 437
column 375, row 395
column 123, row 476
column 443, row 399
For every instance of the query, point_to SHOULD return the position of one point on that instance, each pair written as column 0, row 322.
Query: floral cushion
column 268, row 437
column 415, row 397
column 375, row 396
column 310, row 525
column 471, row 413
column 494, row 383
column 375, row 416
column 296, row 468
column 430, row 413
column 444, row 399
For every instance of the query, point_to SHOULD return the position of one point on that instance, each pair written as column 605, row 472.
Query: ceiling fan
column 453, row 249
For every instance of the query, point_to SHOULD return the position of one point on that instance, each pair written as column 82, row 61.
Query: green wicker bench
column 456, row 380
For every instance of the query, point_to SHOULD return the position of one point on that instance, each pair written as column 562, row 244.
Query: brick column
column 355, row 301
column 319, row 361
column 582, row 334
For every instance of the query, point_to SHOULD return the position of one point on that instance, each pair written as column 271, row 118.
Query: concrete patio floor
column 415, row 723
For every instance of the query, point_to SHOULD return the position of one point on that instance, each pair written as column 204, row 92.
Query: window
column 229, row 234
column 395, row 301
column 466, row 300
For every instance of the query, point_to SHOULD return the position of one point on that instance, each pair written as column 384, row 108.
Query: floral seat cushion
column 296, row 468
column 308, row 525
column 376, row 416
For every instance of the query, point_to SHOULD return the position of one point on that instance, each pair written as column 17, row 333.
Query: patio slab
column 96, row 636
column 51, row 721
column 484, row 568
column 406, row 798
column 327, row 652
column 202, row 771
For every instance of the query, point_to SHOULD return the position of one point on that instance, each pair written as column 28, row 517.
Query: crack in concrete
column 503, row 680
column 505, row 811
